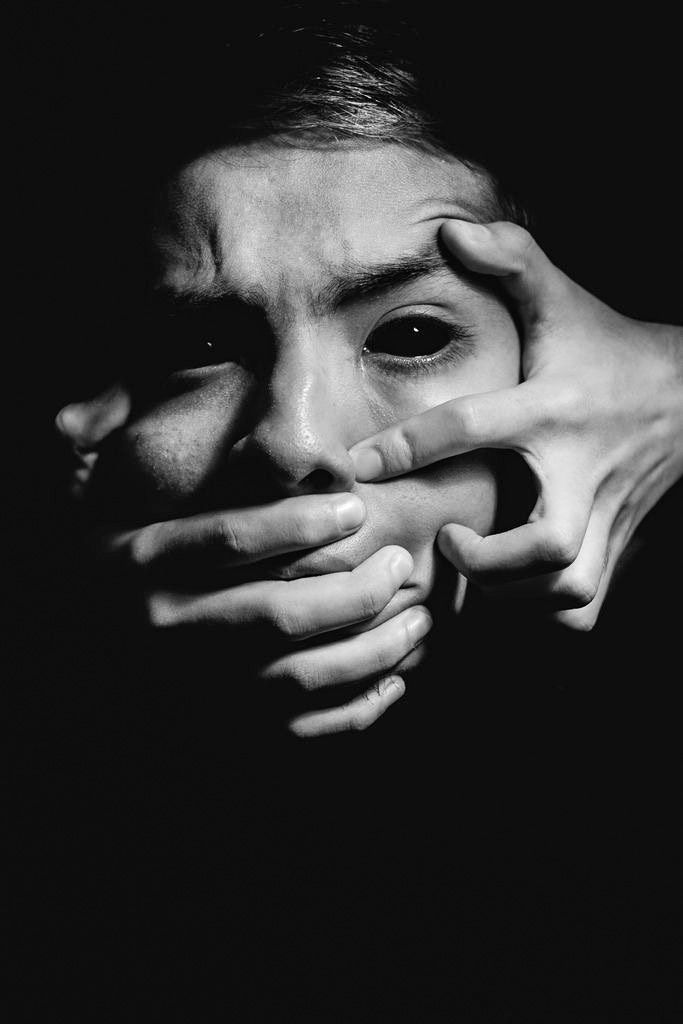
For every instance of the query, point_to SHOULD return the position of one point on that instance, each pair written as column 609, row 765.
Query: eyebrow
column 359, row 282
column 346, row 286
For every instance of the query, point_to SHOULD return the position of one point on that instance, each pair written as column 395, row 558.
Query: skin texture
column 291, row 385
column 598, row 420
column 279, row 224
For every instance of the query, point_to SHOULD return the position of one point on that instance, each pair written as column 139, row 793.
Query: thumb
column 86, row 424
column 508, row 252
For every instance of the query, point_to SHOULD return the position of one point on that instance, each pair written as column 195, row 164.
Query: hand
column 84, row 426
column 171, row 569
column 598, row 419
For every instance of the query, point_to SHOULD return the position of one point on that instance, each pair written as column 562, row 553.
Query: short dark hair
column 319, row 72
column 324, row 74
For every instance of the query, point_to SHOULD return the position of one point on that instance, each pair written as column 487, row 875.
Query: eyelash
column 187, row 343
column 180, row 351
column 458, row 343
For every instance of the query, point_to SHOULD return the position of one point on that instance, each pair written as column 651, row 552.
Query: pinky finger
column 355, row 716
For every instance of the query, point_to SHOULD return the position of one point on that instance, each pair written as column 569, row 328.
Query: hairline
column 491, row 202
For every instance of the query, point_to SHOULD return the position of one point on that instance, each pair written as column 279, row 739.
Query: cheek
column 408, row 511
column 158, row 466
column 495, row 365
column 411, row 511
column 465, row 492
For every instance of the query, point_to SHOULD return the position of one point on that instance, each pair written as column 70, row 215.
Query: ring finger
column 351, row 660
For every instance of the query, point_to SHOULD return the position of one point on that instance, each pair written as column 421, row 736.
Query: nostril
column 318, row 480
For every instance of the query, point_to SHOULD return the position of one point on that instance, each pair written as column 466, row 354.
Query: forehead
column 265, row 213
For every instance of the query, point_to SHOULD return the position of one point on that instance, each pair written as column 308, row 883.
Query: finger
column 82, row 467
column 509, row 252
column 351, row 660
column 220, row 540
column 548, row 544
column 293, row 610
column 583, row 619
column 459, row 593
column 575, row 587
column 494, row 419
column 86, row 424
column 355, row 716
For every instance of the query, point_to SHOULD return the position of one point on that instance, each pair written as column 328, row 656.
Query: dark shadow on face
column 302, row 303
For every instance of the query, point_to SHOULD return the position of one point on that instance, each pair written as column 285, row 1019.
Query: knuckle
column 361, row 719
column 581, row 620
column 579, row 589
column 384, row 657
column 563, row 406
column 367, row 711
column 305, row 526
column 570, row 401
column 226, row 537
column 401, row 452
column 370, row 603
column 303, row 674
column 520, row 241
column 286, row 623
column 467, row 419
column 525, row 244
column 560, row 547
column 389, row 653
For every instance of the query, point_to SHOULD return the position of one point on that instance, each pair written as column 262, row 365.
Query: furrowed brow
column 168, row 300
column 342, row 288
column 360, row 282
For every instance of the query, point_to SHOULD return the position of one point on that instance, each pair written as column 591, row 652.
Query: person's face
column 312, row 306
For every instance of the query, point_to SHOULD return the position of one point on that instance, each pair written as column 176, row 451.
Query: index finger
column 494, row 419
column 220, row 540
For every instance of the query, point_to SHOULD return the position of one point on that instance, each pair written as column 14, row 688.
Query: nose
column 299, row 441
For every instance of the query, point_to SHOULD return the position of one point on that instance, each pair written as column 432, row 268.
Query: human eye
column 195, row 341
column 189, row 341
column 418, row 341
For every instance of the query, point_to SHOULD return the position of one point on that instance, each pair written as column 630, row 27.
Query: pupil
column 409, row 338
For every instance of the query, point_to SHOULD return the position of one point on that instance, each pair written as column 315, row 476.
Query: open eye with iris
column 418, row 338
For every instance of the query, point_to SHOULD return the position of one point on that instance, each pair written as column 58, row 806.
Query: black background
column 513, row 854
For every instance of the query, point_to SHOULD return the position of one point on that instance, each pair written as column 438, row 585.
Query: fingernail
column 477, row 232
column 350, row 513
column 368, row 463
column 394, row 683
column 418, row 625
column 400, row 566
